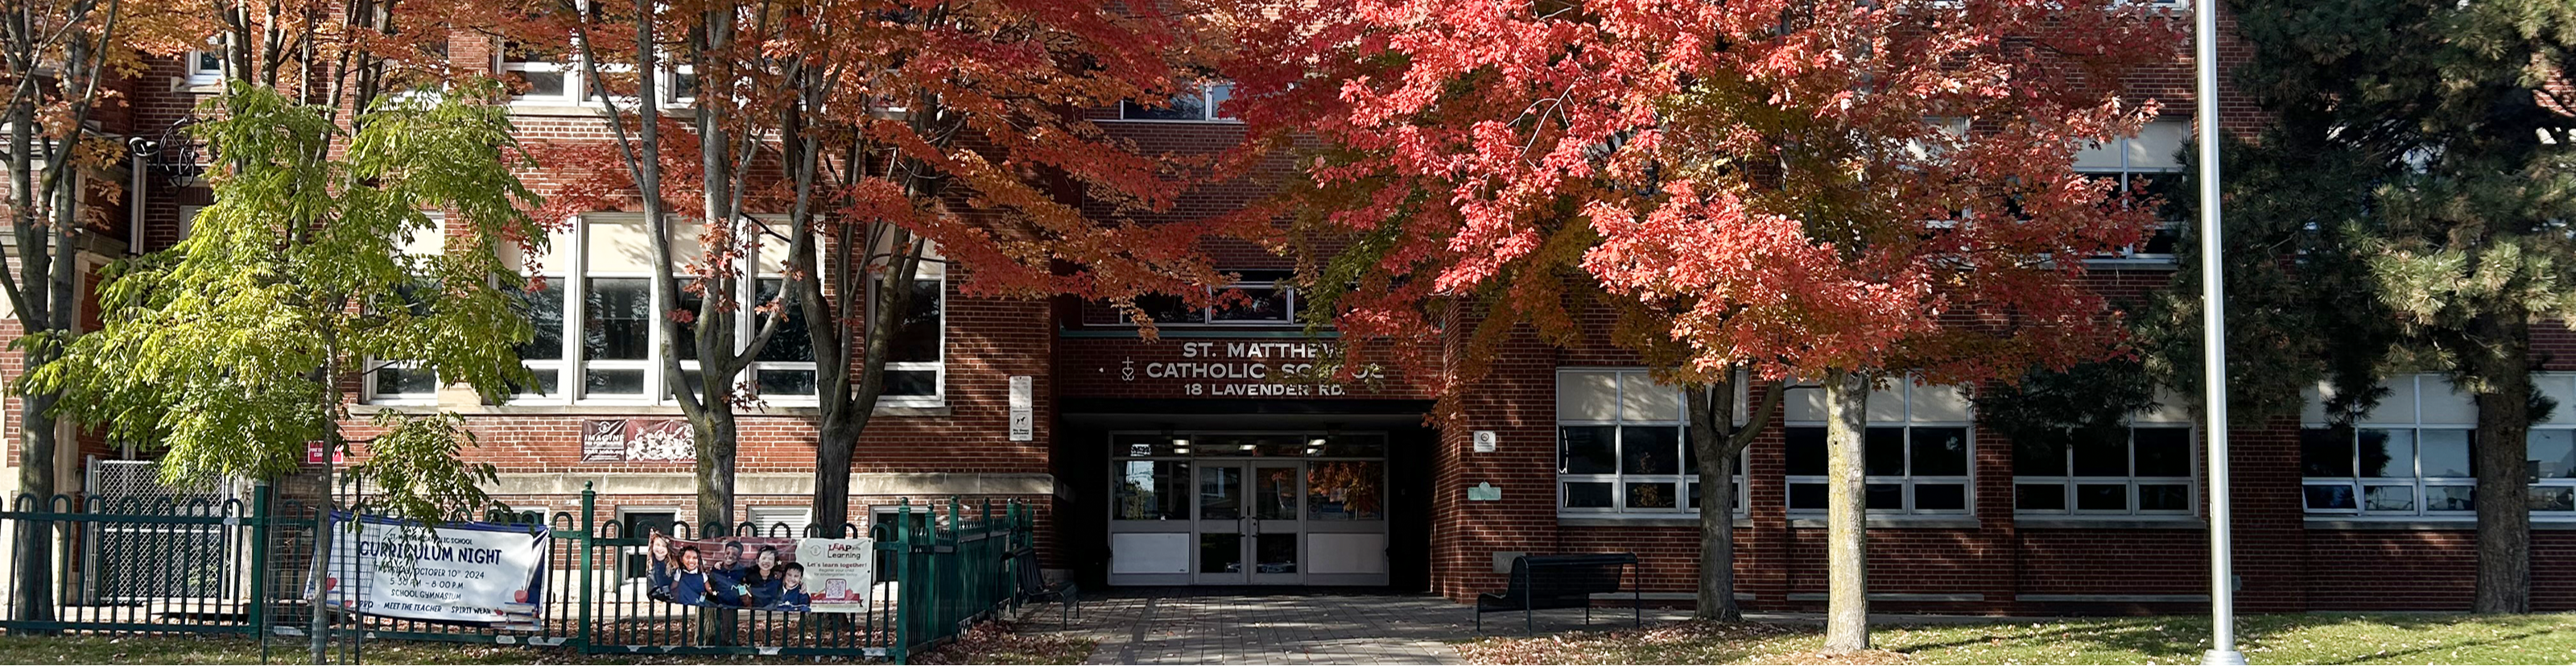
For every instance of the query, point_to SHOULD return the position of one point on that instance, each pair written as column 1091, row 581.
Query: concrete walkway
column 1234, row 626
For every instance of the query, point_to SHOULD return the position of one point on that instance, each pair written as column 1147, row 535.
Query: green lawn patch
column 2321, row 638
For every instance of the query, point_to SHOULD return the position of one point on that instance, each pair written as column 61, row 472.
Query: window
column 916, row 369
column 205, row 67
column 2148, row 164
column 2143, row 470
column 778, row 521
column 1619, row 446
column 553, row 74
column 598, row 342
column 1916, row 450
column 400, row 382
column 1268, row 299
column 1206, row 103
column 2414, row 454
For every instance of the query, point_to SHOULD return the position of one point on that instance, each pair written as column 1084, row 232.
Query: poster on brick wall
column 644, row 440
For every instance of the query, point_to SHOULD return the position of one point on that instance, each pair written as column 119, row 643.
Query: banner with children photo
column 763, row 573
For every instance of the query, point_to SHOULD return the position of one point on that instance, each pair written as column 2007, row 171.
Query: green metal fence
column 240, row 567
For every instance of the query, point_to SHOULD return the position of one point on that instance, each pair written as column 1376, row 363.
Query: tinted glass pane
column 2101, row 497
column 1940, row 451
column 1167, row 309
column 1587, row 450
column 2388, row 453
column 1940, row 497
column 2388, row 498
column 2164, row 497
column 540, row 84
column 1220, row 553
column 2102, row 456
column 2337, row 496
column 2033, row 456
column 914, row 383
column 2553, row 454
column 1806, row 451
column 392, row 381
column 1257, row 303
column 792, row 342
column 918, row 339
column 1806, row 496
column 1886, row 496
column 544, row 309
column 2447, row 453
column 2325, row 452
column 2450, row 498
column 2039, row 497
column 786, row 382
column 1587, row 495
column 1345, row 490
column 613, row 382
column 1275, row 493
column 1191, row 105
column 1151, row 490
column 549, row 380
column 1658, row 495
column 2162, row 451
column 2553, row 498
column 1884, row 451
column 617, row 319
column 1220, row 493
column 1650, row 450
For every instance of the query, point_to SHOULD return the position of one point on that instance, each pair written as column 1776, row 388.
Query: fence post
column 905, row 605
column 258, row 523
column 588, row 562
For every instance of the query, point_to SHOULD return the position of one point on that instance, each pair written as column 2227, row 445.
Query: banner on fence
column 456, row 572
column 768, row 573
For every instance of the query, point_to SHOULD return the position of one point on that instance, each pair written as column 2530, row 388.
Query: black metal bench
column 1034, row 588
column 1544, row 582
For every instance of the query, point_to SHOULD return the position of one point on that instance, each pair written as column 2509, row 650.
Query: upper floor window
column 205, row 67
column 2415, row 454
column 404, row 382
column 1204, row 103
column 1917, row 451
column 553, row 74
column 2146, row 164
column 1267, row 297
column 1620, row 447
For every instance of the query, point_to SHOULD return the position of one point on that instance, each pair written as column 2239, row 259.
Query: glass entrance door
column 1250, row 523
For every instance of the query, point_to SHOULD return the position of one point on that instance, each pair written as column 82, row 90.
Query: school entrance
column 1248, row 508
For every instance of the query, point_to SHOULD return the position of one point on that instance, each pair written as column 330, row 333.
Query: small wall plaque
column 1485, row 441
column 1484, row 492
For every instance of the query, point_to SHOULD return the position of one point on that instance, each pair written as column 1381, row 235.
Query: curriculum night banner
column 764, row 573
column 455, row 572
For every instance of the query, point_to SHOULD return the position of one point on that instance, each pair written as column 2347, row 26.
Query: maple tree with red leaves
column 1839, row 190
column 889, row 135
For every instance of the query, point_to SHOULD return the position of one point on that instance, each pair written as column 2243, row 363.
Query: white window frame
column 1682, row 482
column 368, row 392
column 939, row 369
column 1208, row 100
column 2415, row 424
column 2067, row 482
column 1905, row 386
column 2123, row 174
column 576, row 81
column 194, row 65
column 562, row 363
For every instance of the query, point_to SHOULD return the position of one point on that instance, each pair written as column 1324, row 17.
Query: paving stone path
column 1240, row 626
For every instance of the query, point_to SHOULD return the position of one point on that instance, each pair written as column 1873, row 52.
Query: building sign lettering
column 1252, row 369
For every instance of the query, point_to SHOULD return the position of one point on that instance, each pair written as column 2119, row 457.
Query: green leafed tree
column 233, row 349
column 2460, row 111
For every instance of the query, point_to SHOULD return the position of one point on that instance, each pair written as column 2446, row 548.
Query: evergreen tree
column 2455, row 116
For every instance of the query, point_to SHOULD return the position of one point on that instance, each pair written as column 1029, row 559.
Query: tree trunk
column 1846, row 527
column 2504, row 420
column 715, row 430
column 1716, row 518
column 32, row 600
column 836, row 442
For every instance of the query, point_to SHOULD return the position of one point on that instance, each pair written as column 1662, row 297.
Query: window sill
column 196, row 86
column 2463, row 523
column 559, row 109
column 2164, row 262
column 1899, row 522
column 2110, row 523
column 1633, row 520
column 621, row 410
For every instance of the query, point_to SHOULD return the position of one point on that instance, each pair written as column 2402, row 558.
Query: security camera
column 142, row 146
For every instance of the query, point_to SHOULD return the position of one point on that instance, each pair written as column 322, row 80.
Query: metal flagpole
column 2213, row 317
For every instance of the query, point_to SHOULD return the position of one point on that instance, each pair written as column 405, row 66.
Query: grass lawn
column 985, row 645
column 2323, row 638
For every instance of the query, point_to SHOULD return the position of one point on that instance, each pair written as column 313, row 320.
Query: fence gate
column 140, row 562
